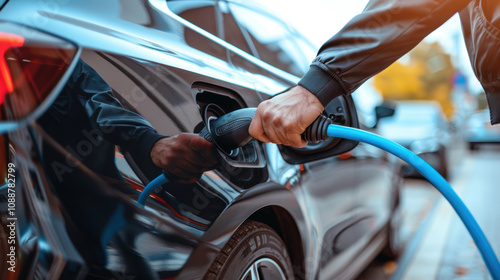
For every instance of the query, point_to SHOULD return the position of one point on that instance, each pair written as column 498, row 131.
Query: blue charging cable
column 435, row 179
column 419, row 164
column 151, row 187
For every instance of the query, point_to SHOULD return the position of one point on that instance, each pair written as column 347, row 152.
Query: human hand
column 185, row 155
column 283, row 118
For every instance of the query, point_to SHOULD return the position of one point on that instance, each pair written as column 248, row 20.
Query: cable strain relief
column 317, row 130
column 169, row 176
column 206, row 134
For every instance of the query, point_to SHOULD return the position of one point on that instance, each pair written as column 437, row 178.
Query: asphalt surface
column 437, row 245
column 460, row 257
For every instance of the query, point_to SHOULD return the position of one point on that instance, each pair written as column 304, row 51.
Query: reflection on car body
column 173, row 72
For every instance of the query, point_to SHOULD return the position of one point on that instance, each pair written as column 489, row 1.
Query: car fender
column 241, row 209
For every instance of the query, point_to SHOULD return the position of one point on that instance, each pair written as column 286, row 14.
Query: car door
column 348, row 198
column 166, row 70
column 177, row 95
column 326, row 190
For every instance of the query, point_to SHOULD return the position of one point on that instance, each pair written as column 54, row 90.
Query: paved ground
column 460, row 258
column 437, row 244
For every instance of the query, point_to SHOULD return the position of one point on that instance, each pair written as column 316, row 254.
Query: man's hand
column 283, row 118
column 185, row 155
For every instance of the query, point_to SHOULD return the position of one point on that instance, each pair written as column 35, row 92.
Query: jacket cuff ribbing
column 493, row 106
column 147, row 141
column 322, row 85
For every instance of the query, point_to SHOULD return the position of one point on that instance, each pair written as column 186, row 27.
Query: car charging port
column 231, row 138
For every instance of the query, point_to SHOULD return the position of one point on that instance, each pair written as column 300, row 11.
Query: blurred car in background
column 478, row 130
column 421, row 127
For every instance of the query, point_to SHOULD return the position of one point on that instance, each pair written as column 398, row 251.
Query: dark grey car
column 267, row 212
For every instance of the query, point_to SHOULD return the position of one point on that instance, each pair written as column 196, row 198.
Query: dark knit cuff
column 147, row 141
column 493, row 100
column 322, row 85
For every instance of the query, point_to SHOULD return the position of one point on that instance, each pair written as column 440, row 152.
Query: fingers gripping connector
column 317, row 130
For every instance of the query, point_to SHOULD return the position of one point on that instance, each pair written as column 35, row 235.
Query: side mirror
column 384, row 111
column 342, row 111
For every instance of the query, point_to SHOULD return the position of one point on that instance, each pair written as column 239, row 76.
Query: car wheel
column 472, row 146
column 394, row 245
column 443, row 163
column 255, row 251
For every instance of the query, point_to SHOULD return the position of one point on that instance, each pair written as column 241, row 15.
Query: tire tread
column 247, row 228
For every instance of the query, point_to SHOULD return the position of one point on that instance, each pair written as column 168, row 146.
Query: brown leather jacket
column 387, row 29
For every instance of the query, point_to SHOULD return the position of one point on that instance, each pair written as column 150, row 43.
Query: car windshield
column 415, row 114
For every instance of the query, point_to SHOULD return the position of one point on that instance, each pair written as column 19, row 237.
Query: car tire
column 394, row 246
column 472, row 146
column 254, row 248
column 443, row 163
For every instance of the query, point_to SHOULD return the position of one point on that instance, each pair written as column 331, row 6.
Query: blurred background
column 440, row 114
column 437, row 69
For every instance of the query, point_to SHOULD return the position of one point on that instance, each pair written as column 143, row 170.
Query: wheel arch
column 282, row 222
column 269, row 203
column 273, row 205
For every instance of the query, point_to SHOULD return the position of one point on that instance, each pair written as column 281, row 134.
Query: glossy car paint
column 332, row 214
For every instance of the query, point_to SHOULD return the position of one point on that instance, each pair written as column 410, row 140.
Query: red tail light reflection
column 7, row 41
column 30, row 68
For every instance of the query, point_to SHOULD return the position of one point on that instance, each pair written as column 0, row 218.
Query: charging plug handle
column 230, row 131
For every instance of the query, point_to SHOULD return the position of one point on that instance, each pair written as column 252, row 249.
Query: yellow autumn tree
column 427, row 76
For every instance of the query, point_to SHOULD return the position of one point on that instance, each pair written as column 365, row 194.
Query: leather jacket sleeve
column 118, row 125
column 373, row 40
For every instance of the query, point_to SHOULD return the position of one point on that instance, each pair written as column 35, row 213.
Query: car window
column 231, row 31
column 273, row 41
column 200, row 13
column 416, row 113
column 205, row 15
